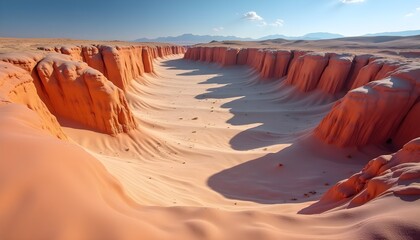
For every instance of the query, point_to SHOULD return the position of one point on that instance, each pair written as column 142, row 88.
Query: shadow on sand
column 280, row 112
column 277, row 114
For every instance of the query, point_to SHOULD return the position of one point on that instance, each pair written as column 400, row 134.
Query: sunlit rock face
column 381, row 103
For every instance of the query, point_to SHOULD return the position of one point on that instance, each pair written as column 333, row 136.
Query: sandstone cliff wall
column 84, row 84
column 17, row 86
column 381, row 104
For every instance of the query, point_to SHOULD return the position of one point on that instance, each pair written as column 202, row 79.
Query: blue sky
column 131, row 19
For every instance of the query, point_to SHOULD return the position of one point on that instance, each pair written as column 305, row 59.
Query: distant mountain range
column 395, row 34
column 189, row 39
column 309, row 36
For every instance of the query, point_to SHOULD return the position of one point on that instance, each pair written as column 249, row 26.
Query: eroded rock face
column 209, row 54
column 268, row 65
column 334, row 77
column 359, row 62
column 367, row 73
column 308, row 71
column 242, row 56
column 74, row 51
column 396, row 174
column 282, row 63
column 409, row 128
column 28, row 61
column 16, row 86
column 76, row 82
column 83, row 94
column 120, row 64
column 123, row 64
column 369, row 114
column 230, row 57
column 93, row 57
column 147, row 60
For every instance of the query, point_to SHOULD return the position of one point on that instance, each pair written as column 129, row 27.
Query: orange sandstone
column 82, row 94
column 369, row 114
column 397, row 174
column 16, row 86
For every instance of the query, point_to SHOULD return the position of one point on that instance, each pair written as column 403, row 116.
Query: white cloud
column 252, row 16
column 218, row 29
column 278, row 23
column 411, row 14
column 352, row 1
column 262, row 24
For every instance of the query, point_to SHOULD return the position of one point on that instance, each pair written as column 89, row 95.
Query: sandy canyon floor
column 219, row 137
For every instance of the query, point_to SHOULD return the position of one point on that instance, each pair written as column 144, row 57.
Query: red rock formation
column 367, row 73
column 196, row 54
column 28, row 62
column 93, row 57
column 267, row 70
column 230, row 57
column 387, row 69
column 252, row 55
column 147, row 60
column 335, row 74
column 187, row 54
column 177, row 50
column 71, row 89
column 397, row 174
column 282, row 63
column 160, row 52
column 203, row 54
column 242, row 56
column 123, row 64
column 259, row 60
column 409, row 128
column 82, row 94
column 308, row 71
column 74, row 51
column 359, row 62
column 295, row 66
column 16, row 86
column 219, row 55
column 209, row 54
column 369, row 114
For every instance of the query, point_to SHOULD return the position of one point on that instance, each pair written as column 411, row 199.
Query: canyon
column 118, row 140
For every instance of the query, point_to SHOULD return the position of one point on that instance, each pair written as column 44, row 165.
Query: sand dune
column 240, row 144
